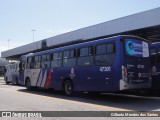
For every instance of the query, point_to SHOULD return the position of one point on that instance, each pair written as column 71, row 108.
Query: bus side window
column 21, row 66
column 37, row 62
column 110, row 48
column 69, row 58
column 47, row 63
column 105, row 54
column 85, row 56
column 56, row 59
column 43, row 58
column 11, row 68
column 14, row 68
column 30, row 63
column 43, row 63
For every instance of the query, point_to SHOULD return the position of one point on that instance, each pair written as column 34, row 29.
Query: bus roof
column 72, row 46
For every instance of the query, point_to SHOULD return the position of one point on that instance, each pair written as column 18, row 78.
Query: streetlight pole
column 33, row 34
column 8, row 43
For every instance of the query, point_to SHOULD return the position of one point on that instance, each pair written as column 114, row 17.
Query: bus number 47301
column 105, row 69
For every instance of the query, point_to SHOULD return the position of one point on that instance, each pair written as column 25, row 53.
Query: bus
column 112, row 64
column 2, row 68
column 12, row 73
column 155, row 65
column 3, row 62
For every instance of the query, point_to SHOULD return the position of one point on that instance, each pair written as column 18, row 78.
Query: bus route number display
column 136, row 48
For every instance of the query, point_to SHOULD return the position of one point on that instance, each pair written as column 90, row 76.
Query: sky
column 53, row 17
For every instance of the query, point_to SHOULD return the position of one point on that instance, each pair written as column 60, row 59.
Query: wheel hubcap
column 68, row 88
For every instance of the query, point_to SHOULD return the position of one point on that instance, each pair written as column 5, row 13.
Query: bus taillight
column 124, row 72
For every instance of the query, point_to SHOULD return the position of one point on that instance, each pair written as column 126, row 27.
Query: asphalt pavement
column 17, row 98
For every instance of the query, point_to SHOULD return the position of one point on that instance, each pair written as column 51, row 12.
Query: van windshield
column 136, row 48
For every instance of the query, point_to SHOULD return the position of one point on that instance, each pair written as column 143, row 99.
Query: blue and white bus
column 155, row 65
column 12, row 73
column 104, row 65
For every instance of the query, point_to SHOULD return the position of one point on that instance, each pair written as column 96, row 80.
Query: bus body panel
column 137, row 75
column 92, row 78
column 89, row 78
column 32, row 75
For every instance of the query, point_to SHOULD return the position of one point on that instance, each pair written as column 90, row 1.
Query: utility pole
column 8, row 43
column 33, row 34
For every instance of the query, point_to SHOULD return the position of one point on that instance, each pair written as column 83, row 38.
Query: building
column 145, row 24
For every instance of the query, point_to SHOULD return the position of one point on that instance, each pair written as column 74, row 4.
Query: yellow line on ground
column 72, row 101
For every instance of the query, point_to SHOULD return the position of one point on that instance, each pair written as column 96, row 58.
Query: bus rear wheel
column 68, row 88
column 28, row 84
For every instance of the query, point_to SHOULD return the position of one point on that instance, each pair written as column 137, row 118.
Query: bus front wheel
column 7, row 81
column 28, row 84
column 68, row 88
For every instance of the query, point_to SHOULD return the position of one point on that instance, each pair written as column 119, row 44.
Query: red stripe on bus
column 48, row 81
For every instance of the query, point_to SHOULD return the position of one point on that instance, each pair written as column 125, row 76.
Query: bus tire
column 28, row 84
column 17, row 81
column 7, row 81
column 68, row 88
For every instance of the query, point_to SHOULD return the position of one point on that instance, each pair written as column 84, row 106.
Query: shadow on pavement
column 128, row 101
column 123, row 101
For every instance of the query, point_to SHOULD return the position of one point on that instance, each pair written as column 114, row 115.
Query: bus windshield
column 136, row 48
